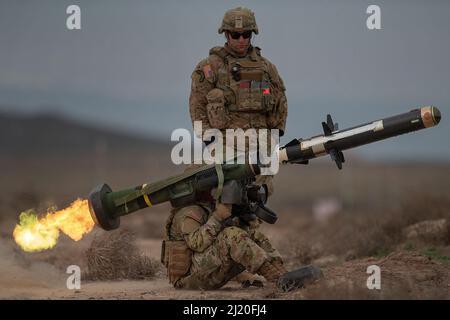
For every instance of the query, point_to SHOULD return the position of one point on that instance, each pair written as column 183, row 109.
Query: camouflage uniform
column 218, row 253
column 254, row 99
column 228, row 92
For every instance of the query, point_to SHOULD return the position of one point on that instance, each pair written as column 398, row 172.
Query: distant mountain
column 47, row 133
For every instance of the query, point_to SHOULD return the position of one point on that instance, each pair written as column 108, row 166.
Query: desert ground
column 390, row 214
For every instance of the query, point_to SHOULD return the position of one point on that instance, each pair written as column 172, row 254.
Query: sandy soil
column 404, row 275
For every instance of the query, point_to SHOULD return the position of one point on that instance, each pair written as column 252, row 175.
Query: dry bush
column 405, row 275
column 303, row 252
column 389, row 226
column 352, row 235
column 379, row 233
column 114, row 255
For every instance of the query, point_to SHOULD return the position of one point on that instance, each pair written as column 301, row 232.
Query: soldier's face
column 240, row 45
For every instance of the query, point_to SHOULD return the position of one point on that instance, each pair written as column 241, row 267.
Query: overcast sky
column 129, row 66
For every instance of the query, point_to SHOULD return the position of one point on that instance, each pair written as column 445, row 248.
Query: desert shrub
column 114, row 255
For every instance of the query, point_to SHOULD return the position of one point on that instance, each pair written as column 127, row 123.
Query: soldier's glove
column 222, row 212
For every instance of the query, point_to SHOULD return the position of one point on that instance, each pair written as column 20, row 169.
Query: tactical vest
column 176, row 256
column 246, row 82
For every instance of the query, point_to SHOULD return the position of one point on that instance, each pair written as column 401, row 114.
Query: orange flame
column 37, row 234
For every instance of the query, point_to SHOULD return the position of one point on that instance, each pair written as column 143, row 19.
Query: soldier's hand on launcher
column 223, row 211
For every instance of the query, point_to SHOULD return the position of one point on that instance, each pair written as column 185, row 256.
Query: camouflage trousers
column 235, row 249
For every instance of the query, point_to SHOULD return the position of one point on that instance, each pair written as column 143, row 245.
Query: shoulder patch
column 207, row 71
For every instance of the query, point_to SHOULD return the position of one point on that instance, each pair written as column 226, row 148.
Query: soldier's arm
column 276, row 119
column 201, row 84
column 199, row 237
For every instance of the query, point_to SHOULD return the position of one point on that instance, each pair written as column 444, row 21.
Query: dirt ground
column 404, row 275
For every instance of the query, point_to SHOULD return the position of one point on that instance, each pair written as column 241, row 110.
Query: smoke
column 20, row 276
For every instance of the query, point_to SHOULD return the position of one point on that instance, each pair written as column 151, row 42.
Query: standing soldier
column 234, row 88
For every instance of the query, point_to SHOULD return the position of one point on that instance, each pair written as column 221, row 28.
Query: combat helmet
column 239, row 19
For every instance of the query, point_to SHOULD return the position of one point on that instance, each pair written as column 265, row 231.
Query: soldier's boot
column 247, row 279
column 271, row 271
column 279, row 265
column 288, row 281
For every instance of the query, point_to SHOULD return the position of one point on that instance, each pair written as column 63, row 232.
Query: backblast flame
column 37, row 234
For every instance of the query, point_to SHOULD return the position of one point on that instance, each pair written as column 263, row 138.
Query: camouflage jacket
column 195, row 225
column 199, row 228
column 230, row 92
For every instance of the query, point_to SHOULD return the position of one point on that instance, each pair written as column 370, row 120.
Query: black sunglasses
column 237, row 35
